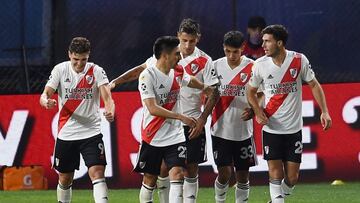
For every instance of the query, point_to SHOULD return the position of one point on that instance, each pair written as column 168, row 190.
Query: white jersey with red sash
column 283, row 90
column 199, row 65
column 226, row 117
column 165, row 89
column 78, row 99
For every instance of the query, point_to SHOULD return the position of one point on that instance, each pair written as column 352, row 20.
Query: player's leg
column 292, row 162
column 163, row 184
column 223, row 157
column 66, row 160
column 174, row 157
column 64, row 187
column 196, row 154
column 147, row 188
column 148, row 162
column 93, row 152
column 273, row 147
column 244, row 158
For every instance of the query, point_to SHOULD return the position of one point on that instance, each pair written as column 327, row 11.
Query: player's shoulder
column 219, row 61
column 263, row 59
column 247, row 60
column 295, row 54
column 201, row 53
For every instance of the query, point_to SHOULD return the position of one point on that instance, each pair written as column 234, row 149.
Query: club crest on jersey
column 142, row 164
column 243, row 77
column 194, row 68
column 293, row 72
column 89, row 79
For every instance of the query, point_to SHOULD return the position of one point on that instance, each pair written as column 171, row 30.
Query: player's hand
column 189, row 121
column 47, row 103
column 247, row 114
column 195, row 132
column 112, row 85
column 325, row 120
column 208, row 90
column 109, row 115
column 261, row 118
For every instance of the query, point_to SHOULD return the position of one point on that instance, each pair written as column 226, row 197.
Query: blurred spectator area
column 34, row 34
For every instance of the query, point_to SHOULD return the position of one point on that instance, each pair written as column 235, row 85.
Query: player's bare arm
column 212, row 98
column 45, row 98
column 319, row 96
column 156, row 110
column 109, row 104
column 254, row 103
column 128, row 76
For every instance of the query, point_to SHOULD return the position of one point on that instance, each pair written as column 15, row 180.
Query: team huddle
column 174, row 84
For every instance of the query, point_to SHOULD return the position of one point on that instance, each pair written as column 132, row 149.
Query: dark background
column 35, row 33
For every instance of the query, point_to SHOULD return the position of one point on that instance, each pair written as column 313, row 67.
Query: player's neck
column 163, row 66
column 234, row 64
column 279, row 58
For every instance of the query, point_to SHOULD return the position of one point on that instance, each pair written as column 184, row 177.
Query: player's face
column 270, row 45
column 187, row 43
column 174, row 57
column 78, row 61
column 233, row 55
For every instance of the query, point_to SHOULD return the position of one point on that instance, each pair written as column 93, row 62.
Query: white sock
column 191, row 187
column 220, row 191
column 163, row 186
column 64, row 193
column 100, row 191
column 275, row 191
column 242, row 192
column 146, row 194
column 287, row 190
column 176, row 191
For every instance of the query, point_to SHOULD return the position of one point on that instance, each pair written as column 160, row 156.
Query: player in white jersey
column 80, row 85
column 281, row 73
column 162, row 134
column 196, row 63
column 231, row 123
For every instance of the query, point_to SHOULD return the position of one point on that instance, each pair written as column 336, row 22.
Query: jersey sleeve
column 146, row 87
column 255, row 79
column 307, row 74
column 210, row 75
column 54, row 79
column 100, row 76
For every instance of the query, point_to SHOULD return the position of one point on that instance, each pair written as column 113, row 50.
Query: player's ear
column 69, row 54
column 280, row 42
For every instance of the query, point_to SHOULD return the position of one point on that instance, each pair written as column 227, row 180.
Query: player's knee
column 65, row 180
column 292, row 179
column 191, row 170
column 176, row 173
column 96, row 172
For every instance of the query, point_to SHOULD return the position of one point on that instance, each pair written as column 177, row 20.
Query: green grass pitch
column 304, row 193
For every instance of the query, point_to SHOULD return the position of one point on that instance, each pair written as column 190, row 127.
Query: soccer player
column 79, row 84
column 231, row 123
column 162, row 134
column 196, row 63
column 281, row 73
column 252, row 47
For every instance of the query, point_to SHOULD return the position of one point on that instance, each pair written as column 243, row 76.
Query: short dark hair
column 234, row 39
column 189, row 26
column 279, row 32
column 165, row 44
column 79, row 45
column 256, row 22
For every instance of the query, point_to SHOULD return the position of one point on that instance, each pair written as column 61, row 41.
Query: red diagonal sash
column 71, row 104
column 225, row 101
column 276, row 100
column 198, row 64
column 155, row 124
